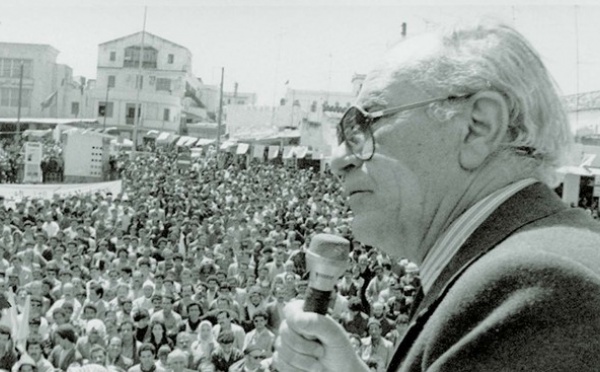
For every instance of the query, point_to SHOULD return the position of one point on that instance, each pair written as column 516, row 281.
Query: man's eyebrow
column 374, row 103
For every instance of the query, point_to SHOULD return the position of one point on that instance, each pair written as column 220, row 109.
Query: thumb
column 316, row 326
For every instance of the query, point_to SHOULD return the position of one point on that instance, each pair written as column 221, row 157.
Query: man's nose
column 343, row 160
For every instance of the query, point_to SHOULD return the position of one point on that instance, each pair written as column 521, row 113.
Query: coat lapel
column 528, row 205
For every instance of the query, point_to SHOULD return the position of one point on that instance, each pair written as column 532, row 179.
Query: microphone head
column 326, row 260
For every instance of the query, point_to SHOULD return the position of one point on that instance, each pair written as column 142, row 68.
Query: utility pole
column 19, row 108
column 105, row 107
column 138, row 105
column 220, row 114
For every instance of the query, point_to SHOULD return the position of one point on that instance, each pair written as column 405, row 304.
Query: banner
column 33, row 160
column 13, row 193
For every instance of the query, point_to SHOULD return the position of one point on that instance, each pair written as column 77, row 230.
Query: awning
column 242, row 148
column 273, row 152
column 301, row 151
column 204, row 142
column 36, row 133
column 190, row 141
column 181, row 141
column 227, row 144
column 163, row 137
column 288, row 152
column 259, row 151
column 152, row 134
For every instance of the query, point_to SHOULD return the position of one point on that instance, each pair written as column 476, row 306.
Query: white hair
column 492, row 56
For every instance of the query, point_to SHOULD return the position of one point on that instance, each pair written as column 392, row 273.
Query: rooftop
column 147, row 34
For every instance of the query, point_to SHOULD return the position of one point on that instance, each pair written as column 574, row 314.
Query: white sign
column 32, row 172
column 13, row 193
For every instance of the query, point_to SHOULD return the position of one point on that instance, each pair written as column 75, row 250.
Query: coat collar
column 526, row 206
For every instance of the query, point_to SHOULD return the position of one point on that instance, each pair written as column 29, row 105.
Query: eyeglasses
column 355, row 126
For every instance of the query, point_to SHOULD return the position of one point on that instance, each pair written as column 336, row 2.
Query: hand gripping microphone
column 326, row 261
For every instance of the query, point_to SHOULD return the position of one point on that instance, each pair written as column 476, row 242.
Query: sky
column 317, row 45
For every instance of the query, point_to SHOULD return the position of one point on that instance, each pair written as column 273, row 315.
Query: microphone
column 326, row 261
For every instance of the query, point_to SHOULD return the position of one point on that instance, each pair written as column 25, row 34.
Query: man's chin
column 365, row 230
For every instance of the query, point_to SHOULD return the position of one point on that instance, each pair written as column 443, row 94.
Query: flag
column 50, row 100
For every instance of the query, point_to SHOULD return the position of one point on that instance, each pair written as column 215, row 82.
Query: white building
column 47, row 86
column 584, row 113
column 168, row 90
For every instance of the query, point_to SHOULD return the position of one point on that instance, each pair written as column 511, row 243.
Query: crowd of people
column 12, row 158
column 185, row 269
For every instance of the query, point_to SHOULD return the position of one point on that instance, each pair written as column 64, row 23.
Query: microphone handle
column 316, row 301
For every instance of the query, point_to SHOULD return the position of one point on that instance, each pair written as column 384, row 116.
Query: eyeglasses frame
column 372, row 117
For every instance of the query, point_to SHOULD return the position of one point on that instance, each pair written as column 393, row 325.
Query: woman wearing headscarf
column 205, row 344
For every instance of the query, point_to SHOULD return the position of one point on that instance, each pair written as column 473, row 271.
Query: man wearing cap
column 377, row 284
column 375, row 346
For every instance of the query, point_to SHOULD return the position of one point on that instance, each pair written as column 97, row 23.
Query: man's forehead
column 387, row 85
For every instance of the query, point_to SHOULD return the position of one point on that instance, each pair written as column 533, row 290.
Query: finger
column 300, row 343
column 312, row 325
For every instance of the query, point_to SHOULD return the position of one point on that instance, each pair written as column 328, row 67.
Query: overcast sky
column 314, row 44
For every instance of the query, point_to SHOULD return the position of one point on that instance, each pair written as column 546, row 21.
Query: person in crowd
column 8, row 353
column 226, row 354
column 64, row 353
column 252, row 361
column 114, row 354
column 424, row 156
column 224, row 323
column 146, row 355
column 260, row 336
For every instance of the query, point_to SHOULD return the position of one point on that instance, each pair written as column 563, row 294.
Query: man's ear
column 487, row 124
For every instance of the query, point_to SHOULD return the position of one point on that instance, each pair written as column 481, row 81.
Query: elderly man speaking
column 447, row 158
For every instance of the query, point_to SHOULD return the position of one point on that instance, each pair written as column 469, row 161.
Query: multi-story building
column 47, row 86
column 166, row 89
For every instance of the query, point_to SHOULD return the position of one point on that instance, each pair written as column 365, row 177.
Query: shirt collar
column 459, row 231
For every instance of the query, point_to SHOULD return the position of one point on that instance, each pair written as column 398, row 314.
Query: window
column 139, row 82
column 5, row 97
column 132, row 57
column 171, row 58
column 166, row 114
column 105, row 109
column 9, row 97
column 111, row 81
column 163, row 84
column 11, row 67
column 74, row 108
column 130, row 113
column 113, row 56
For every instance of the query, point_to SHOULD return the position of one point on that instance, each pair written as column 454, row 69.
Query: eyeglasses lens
column 354, row 131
